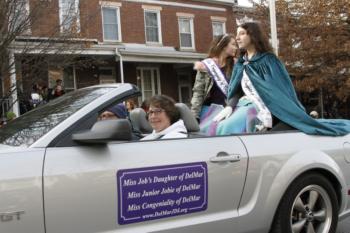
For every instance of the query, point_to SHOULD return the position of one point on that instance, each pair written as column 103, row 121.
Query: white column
column 121, row 64
column 273, row 25
column 74, row 77
column 14, row 95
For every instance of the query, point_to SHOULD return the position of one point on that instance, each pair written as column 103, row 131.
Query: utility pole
column 273, row 25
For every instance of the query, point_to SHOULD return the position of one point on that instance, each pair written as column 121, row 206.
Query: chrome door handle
column 225, row 157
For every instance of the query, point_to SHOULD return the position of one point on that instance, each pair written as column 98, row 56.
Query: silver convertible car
column 62, row 171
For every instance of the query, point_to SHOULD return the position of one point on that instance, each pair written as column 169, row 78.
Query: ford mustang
column 62, row 171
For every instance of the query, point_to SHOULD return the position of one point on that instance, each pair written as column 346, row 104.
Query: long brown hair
column 217, row 46
column 257, row 36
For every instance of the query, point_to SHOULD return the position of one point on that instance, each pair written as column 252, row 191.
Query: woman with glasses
column 212, row 77
column 164, row 118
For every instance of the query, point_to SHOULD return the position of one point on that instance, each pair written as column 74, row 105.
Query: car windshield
column 28, row 128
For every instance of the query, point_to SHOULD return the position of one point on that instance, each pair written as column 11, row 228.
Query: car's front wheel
column 309, row 206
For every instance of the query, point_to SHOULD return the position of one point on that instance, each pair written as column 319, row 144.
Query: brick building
column 150, row 43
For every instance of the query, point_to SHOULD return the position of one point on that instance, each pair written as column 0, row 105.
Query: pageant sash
column 264, row 114
column 216, row 74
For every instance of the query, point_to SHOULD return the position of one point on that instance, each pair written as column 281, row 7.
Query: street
column 344, row 226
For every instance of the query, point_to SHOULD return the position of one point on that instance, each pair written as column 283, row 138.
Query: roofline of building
column 179, row 4
column 129, row 54
column 54, row 39
column 220, row 2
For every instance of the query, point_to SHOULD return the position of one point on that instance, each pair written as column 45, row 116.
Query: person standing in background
column 130, row 105
column 58, row 90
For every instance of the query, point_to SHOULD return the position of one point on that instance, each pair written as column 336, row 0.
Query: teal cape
column 271, row 80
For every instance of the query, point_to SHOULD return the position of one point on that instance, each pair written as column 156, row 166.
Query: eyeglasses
column 107, row 115
column 155, row 111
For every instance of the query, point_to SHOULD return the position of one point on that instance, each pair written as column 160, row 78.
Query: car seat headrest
column 186, row 115
column 139, row 121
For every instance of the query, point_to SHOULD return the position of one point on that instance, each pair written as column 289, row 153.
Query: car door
column 179, row 185
column 21, row 200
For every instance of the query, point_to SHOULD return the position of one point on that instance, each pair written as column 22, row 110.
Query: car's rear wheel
column 309, row 206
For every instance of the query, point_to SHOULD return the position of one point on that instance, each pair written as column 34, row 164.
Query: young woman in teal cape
column 263, row 81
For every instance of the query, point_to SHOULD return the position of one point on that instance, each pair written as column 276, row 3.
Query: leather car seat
column 139, row 121
column 187, row 116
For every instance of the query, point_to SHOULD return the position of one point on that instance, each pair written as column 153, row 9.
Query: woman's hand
column 199, row 66
column 224, row 114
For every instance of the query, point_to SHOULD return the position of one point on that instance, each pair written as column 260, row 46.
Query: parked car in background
column 62, row 171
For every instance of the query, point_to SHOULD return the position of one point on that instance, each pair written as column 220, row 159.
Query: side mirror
column 104, row 131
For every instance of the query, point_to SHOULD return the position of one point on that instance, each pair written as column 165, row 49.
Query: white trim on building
column 176, row 4
column 130, row 52
column 110, row 4
column 151, row 8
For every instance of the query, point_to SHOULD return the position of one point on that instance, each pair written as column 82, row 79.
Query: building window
column 148, row 81
column 69, row 16
column 19, row 17
column 69, row 82
column 111, row 24
column 184, row 88
column 152, row 27
column 186, row 33
column 107, row 75
column 218, row 28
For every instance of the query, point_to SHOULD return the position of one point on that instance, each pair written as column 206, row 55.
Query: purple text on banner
column 158, row 192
